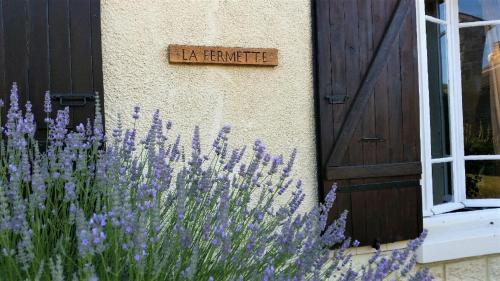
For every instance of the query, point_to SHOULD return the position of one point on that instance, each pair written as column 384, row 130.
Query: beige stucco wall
column 273, row 104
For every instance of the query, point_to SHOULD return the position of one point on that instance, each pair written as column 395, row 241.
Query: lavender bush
column 123, row 208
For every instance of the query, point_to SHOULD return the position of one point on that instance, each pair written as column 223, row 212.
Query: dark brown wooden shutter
column 56, row 46
column 367, row 99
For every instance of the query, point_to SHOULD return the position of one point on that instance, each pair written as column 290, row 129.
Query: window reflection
column 478, row 10
column 482, row 179
column 442, row 188
column 437, row 61
column 435, row 8
column 480, row 68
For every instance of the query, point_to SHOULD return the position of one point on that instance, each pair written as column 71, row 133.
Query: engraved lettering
column 230, row 56
column 193, row 55
column 256, row 56
column 246, row 55
column 190, row 54
column 219, row 56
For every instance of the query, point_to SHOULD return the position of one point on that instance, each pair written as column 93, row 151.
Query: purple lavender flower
column 196, row 148
column 268, row 273
column 29, row 121
column 69, row 191
column 289, row 165
column 169, row 124
column 259, row 149
column 47, row 104
column 136, row 112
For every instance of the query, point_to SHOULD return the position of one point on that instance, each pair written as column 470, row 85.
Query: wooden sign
column 222, row 55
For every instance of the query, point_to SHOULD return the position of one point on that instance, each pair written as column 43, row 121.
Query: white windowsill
column 460, row 235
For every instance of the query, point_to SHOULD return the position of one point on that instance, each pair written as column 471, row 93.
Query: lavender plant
column 122, row 208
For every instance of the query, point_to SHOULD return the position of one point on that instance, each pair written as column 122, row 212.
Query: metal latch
column 372, row 139
column 336, row 99
column 73, row 99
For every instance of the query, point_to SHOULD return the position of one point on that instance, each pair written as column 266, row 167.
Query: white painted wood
column 460, row 235
column 482, row 157
column 435, row 20
column 482, row 202
column 442, row 160
column 478, row 23
column 446, row 207
column 425, row 135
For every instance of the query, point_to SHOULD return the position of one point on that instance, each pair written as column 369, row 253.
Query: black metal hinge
column 73, row 99
column 336, row 99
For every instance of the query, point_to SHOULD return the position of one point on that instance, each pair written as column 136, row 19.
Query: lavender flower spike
column 47, row 104
column 136, row 112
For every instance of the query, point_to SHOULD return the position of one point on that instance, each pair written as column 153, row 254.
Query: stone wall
column 477, row 268
column 482, row 268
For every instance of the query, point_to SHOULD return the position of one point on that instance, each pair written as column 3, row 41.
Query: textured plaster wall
column 273, row 104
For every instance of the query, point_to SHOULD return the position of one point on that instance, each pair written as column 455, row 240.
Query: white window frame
column 457, row 158
column 460, row 234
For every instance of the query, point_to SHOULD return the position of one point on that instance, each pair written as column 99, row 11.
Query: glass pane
column 482, row 179
column 480, row 68
column 478, row 10
column 442, row 188
column 437, row 61
column 435, row 8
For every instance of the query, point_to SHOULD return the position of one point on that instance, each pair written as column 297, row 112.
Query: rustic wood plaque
column 222, row 55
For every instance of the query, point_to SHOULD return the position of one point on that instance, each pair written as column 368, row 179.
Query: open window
column 460, row 84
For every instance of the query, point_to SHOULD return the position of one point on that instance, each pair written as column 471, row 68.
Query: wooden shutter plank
column 355, row 74
column 97, row 74
column 81, row 47
column 324, row 79
column 361, row 99
column 16, row 22
column 3, row 84
column 371, row 171
column 81, row 56
column 380, row 13
column 365, row 27
column 410, row 98
column 394, row 103
column 60, row 52
column 337, row 45
column 39, row 66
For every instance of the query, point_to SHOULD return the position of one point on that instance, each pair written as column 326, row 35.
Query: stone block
column 494, row 267
column 437, row 271
column 467, row 270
